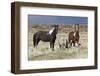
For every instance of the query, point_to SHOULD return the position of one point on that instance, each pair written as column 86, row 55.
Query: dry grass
column 43, row 52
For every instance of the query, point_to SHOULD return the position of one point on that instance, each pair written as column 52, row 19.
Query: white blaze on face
column 74, row 34
column 50, row 32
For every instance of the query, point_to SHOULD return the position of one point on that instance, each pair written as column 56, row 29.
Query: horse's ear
column 77, row 26
column 57, row 25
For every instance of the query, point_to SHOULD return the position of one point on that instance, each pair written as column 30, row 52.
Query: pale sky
column 42, row 19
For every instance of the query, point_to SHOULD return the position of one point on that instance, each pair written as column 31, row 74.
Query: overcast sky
column 39, row 19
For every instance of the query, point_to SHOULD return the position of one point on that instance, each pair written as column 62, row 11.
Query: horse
column 63, row 44
column 73, row 37
column 46, row 36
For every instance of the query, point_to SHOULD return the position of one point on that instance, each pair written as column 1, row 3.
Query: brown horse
column 73, row 37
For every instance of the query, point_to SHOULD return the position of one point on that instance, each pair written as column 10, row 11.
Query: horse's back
column 43, row 35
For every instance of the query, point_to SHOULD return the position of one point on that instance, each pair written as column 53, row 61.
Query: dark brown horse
column 46, row 36
column 73, row 37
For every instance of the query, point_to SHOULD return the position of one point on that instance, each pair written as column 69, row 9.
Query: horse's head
column 77, row 32
column 56, row 28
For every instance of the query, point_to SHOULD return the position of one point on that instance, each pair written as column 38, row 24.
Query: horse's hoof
column 79, row 44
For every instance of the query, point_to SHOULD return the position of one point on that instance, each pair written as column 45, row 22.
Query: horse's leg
column 37, row 41
column 34, row 43
column 73, row 43
column 66, row 46
column 77, row 43
column 52, row 46
column 53, row 43
column 70, row 43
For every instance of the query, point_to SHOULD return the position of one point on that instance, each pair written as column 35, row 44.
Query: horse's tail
column 34, row 39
